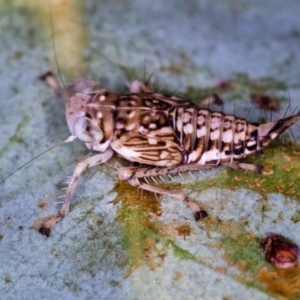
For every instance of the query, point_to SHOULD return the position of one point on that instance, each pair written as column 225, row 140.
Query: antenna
column 54, row 50
column 51, row 82
column 68, row 140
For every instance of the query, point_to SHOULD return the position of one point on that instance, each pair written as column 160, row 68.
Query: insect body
column 165, row 135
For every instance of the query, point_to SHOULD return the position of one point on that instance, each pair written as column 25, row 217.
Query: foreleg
column 82, row 166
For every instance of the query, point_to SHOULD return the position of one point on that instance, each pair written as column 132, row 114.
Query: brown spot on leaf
column 184, row 230
column 177, row 276
column 280, row 187
column 42, row 204
column 287, row 167
column 267, row 171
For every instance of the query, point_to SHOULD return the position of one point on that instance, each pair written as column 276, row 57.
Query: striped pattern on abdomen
column 213, row 137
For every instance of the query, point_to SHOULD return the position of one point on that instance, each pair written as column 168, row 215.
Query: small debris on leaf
column 280, row 251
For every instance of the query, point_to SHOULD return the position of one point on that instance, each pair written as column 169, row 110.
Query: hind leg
column 244, row 166
column 132, row 175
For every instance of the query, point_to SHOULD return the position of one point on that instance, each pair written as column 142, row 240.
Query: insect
column 163, row 134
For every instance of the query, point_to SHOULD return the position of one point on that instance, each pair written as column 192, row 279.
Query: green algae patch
column 181, row 253
column 244, row 252
column 279, row 175
column 140, row 232
column 241, row 250
column 146, row 240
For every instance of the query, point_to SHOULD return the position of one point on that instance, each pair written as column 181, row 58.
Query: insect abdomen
column 214, row 138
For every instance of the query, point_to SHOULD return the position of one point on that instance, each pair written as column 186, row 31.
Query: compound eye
column 87, row 130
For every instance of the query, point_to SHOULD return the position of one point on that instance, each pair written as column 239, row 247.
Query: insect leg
column 82, row 166
column 139, row 87
column 127, row 173
column 67, row 91
column 199, row 213
column 244, row 166
column 212, row 99
column 131, row 174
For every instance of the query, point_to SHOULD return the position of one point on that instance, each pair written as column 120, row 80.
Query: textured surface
column 112, row 244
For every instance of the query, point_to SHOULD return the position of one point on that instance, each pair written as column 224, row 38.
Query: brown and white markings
column 164, row 134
